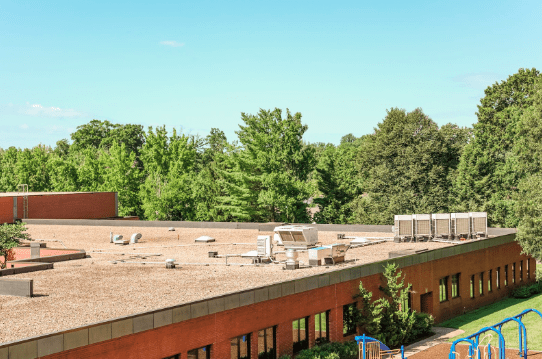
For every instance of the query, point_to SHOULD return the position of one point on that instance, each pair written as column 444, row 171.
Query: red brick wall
column 69, row 206
column 6, row 210
column 218, row 329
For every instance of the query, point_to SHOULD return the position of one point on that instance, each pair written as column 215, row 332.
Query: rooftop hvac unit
column 404, row 227
column 329, row 254
column 442, row 225
column 461, row 225
column 297, row 237
column 422, row 226
column 478, row 223
column 265, row 246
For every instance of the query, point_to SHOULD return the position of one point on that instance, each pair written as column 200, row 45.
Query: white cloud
column 172, row 43
column 24, row 126
column 43, row 111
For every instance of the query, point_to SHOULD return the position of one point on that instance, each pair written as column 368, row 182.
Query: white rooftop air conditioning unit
column 478, row 222
column 297, row 236
column 461, row 225
column 265, row 246
column 404, row 228
column 422, row 227
column 442, row 225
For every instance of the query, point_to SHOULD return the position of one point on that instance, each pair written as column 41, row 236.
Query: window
column 176, row 356
column 300, row 330
column 513, row 273
column 200, row 353
column 498, row 274
column 481, row 282
column 489, row 280
column 321, row 323
column 267, row 342
column 406, row 304
column 443, row 289
column 455, row 285
column 528, row 269
column 240, row 347
column 521, row 271
column 472, row 286
column 506, row 275
column 349, row 319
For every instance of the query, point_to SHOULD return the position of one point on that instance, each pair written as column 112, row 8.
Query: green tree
column 31, row 168
column 62, row 173
column 385, row 319
column 8, row 173
column 121, row 174
column 89, row 170
column 488, row 173
column 267, row 178
column 406, row 167
column 10, row 237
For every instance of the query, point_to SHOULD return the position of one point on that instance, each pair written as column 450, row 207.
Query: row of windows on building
column 455, row 291
column 267, row 338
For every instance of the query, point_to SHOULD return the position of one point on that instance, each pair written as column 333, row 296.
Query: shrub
column 347, row 350
column 539, row 272
column 527, row 291
column 422, row 326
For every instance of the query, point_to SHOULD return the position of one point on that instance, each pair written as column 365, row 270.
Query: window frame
column 353, row 329
column 506, row 275
column 271, row 353
column 498, row 277
column 443, row 289
column 514, row 273
column 248, row 342
column 299, row 345
column 481, row 283
column 318, row 339
column 456, row 285
column 520, row 271
column 472, row 287
column 206, row 349
column 490, row 281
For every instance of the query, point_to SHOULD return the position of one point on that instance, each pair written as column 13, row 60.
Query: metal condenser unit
column 478, row 224
column 404, row 228
column 461, row 225
column 422, row 227
column 442, row 225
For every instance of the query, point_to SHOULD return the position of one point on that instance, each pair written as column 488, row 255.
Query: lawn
column 494, row 313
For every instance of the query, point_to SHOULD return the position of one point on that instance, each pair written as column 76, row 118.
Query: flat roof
column 20, row 194
column 102, row 287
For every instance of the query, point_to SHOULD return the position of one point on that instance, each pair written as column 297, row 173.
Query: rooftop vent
column 297, row 237
column 204, row 239
column 478, row 224
column 442, row 225
column 404, row 228
column 461, row 225
column 422, row 227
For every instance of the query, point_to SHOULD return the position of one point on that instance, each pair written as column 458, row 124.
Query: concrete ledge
column 181, row 314
column 246, row 298
column 122, row 328
column 199, row 309
column 75, row 339
column 99, row 333
column 28, row 350
column 50, row 345
column 34, row 267
column 165, row 317
column 275, row 291
column 288, row 288
column 4, row 352
column 143, row 322
column 58, row 258
column 217, row 305
column 17, row 287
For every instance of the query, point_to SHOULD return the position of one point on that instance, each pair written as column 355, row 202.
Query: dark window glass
column 527, row 268
column 200, row 353
column 267, row 342
column 240, row 347
column 498, row 278
column 472, row 286
column 481, row 282
column 321, row 323
column 489, row 280
column 455, row 285
column 443, row 289
column 521, row 271
column 506, row 275
column 300, row 330
column 349, row 319
column 513, row 273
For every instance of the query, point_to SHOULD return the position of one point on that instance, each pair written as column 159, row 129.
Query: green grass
column 494, row 313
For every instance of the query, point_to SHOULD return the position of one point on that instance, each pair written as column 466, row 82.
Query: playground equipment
column 371, row 348
column 474, row 339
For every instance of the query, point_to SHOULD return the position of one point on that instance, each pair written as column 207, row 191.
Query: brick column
column 285, row 339
column 336, row 324
column 311, row 331
column 254, row 345
column 221, row 350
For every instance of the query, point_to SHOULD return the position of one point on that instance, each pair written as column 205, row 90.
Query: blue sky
column 194, row 65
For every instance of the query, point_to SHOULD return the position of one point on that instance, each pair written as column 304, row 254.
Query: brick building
column 57, row 205
column 287, row 316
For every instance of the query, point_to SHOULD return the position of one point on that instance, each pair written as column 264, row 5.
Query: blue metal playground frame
column 365, row 339
column 474, row 339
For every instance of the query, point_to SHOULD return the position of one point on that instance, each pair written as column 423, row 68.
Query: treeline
column 268, row 173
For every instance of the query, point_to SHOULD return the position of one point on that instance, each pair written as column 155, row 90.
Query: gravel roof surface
column 85, row 291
